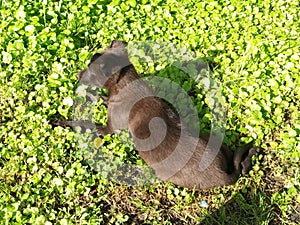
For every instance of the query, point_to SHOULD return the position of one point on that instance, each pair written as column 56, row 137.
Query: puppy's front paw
column 84, row 125
column 59, row 122
column 102, row 131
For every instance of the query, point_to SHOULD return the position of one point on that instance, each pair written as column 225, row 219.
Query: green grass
column 45, row 178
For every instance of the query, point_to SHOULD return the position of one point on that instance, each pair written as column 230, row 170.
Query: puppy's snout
column 79, row 75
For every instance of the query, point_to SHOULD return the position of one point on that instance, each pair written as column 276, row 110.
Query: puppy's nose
column 79, row 75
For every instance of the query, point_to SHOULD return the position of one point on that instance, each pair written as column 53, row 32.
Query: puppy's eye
column 95, row 57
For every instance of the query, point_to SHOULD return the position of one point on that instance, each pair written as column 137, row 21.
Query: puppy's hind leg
column 243, row 157
column 247, row 162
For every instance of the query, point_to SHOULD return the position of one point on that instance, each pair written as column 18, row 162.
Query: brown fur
column 177, row 156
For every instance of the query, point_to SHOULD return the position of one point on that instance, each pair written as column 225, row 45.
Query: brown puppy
column 161, row 140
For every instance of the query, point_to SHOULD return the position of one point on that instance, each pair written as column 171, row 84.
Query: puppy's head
column 105, row 65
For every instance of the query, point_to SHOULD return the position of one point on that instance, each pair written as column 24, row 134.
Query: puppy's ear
column 118, row 44
column 95, row 56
